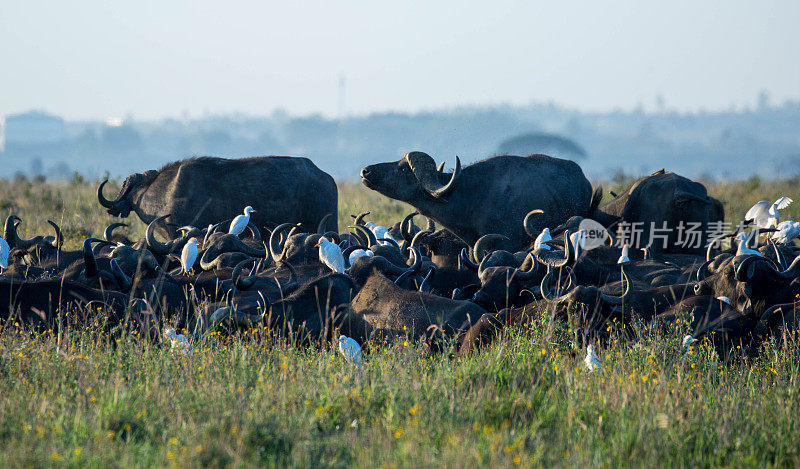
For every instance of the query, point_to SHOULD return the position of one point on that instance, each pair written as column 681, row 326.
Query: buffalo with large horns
column 205, row 190
column 491, row 196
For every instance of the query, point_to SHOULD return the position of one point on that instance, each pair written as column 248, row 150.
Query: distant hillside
column 716, row 145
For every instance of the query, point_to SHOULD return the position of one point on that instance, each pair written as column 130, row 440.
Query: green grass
column 82, row 398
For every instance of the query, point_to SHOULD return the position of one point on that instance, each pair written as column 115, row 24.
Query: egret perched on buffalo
column 542, row 240
column 240, row 222
column 5, row 250
column 765, row 215
column 189, row 255
column 331, row 255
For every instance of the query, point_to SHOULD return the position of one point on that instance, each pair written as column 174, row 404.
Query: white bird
column 578, row 241
column 591, row 360
column 647, row 254
column 350, row 349
column 623, row 258
column 5, row 250
column 178, row 341
column 723, row 299
column 765, row 215
column 240, row 222
column 743, row 250
column 380, row 232
column 359, row 253
column 787, row 231
column 543, row 238
column 189, row 255
column 688, row 342
column 331, row 255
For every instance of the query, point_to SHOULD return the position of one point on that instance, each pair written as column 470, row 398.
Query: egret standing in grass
column 331, row 255
column 688, row 343
column 178, row 341
column 189, row 255
column 542, row 240
column 591, row 360
column 240, row 222
column 765, row 215
column 5, row 250
column 350, row 349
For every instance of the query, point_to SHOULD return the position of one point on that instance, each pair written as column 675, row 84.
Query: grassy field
column 82, row 398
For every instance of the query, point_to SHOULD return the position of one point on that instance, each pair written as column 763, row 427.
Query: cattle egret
column 578, row 241
column 765, row 215
column 688, row 342
column 381, row 233
column 723, row 299
column 359, row 253
column 787, row 231
column 543, row 238
column 178, row 341
column 350, row 349
column 189, row 255
column 330, row 254
column 591, row 360
column 743, row 250
column 240, row 222
column 623, row 258
column 5, row 250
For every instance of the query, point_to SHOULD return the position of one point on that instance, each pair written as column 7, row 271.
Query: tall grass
column 83, row 397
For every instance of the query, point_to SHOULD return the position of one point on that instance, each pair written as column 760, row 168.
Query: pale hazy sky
column 102, row 58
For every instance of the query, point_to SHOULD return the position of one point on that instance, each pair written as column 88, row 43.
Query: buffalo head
column 414, row 177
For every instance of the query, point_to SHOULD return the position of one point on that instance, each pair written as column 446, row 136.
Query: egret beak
column 316, row 245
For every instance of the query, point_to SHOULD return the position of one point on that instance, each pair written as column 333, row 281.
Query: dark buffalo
column 491, row 196
column 206, row 190
column 665, row 201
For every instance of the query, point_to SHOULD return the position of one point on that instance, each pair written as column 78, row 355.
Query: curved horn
column 411, row 270
column 618, row 300
column 482, row 244
column 109, row 232
column 323, row 224
column 364, row 231
column 12, row 237
column 122, row 280
column 544, row 287
column 90, row 263
column 530, row 272
column 464, row 260
column 528, row 224
column 152, row 243
column 431, row 224
column 440, row 168
column 424, row 169
column 274, row 249
column 254, row 231
column 425, row 285
column 360, row 218
column 702, row 271
column 242, row 283
column 405, row 226
column 58, row 241
column 415, row 241
column 103, row 201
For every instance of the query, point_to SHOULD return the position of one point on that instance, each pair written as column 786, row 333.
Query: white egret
column 350, row 349
column 380, row 232
column 591, row 360
column 189, row 255
column 743, row 250
column 578, row 241
column 765, row 215
column 623, row 258
column 359, row 253
column 688, row 343
column 331, row 255
column 240, row 222
column 787, row 231
column 542, row 239
column 5, row 250
column 178, row 341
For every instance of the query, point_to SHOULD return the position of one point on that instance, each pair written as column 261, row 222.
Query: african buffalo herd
column 455, row 288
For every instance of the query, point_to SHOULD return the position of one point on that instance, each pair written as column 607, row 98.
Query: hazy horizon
column 152, row 60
